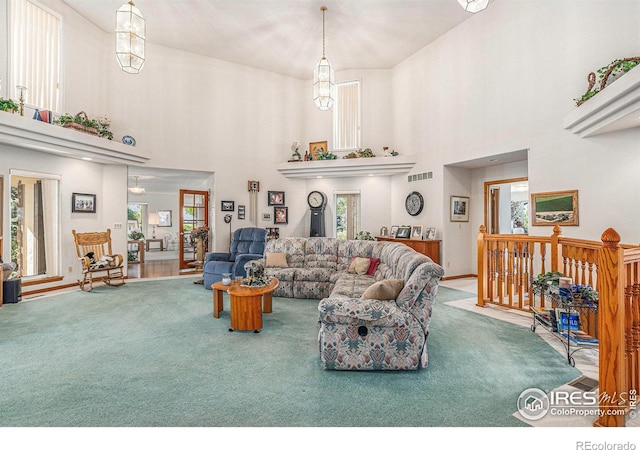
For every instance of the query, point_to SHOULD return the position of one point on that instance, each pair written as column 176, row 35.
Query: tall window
column 346, row 116
column 35, row 53
column 35, row 224
column 347, row 215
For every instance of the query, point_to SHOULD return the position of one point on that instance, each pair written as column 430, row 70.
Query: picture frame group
column 275, row 198
column 416, row 232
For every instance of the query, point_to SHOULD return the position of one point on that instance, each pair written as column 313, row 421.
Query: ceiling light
column 135, row 189
column 130, row 38
column 323, row 87
column 473, row 6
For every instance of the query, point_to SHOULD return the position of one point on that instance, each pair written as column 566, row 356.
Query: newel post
column 555, row 248
column 482, row 267
column 612, row 377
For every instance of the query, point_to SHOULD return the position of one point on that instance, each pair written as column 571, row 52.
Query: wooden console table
column 160, row 242
column 428, row 247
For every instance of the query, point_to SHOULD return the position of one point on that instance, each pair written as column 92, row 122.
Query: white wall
column 504, row 80
column 107, row 182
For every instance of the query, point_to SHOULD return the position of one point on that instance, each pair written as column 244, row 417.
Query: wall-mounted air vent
column 420, row 176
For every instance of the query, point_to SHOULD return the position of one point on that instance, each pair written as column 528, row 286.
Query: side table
column 246, row 304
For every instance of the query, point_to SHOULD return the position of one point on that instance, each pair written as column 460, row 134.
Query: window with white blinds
column 346, row 116
column 35, row 53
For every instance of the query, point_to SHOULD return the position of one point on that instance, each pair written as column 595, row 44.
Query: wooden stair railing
column 508, row 263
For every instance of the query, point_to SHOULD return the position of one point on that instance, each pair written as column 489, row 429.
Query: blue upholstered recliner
column 246, row 244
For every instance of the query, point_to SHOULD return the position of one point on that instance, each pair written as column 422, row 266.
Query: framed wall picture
column 315, row 148
column 404, row 232
column 132, row 224
column 164, row 217
column 275, row 198
column 394, row 231
column 227, row 205
column 550, row 208
column 416, row 232
column 459, row 209
column 241, row 212
column 83, row 203
column 280, row 214
column 266, row 216
column 431, row 233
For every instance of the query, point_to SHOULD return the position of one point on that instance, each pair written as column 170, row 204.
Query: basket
column 80, row 127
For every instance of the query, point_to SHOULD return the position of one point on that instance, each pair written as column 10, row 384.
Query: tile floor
column 586, row 360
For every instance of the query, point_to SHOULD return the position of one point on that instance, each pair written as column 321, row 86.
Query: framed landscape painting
column 550, row 208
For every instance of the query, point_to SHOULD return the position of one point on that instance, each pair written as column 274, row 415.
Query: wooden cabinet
column 428, row 247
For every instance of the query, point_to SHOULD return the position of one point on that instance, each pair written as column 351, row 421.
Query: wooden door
column 194, row 213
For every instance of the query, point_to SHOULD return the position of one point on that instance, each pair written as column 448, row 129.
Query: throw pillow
column 383, row 290
column 373, row 265
column 276, row 260
column 359, row 265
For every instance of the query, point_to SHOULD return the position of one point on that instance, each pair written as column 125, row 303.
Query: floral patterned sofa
column 360, row 333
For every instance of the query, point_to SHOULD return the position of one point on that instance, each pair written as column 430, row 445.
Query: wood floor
column 155, row 269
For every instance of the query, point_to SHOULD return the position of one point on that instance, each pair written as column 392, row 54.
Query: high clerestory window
column 34, row 61
column 346, row 117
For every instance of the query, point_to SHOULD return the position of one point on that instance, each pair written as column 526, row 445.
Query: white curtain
column 51, row 225
column 346, row 116
column 35, row 53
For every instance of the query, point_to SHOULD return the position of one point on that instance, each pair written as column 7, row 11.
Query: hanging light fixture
column 323, row 86
column 473, row 6
column 135, row 189
column 130, row 38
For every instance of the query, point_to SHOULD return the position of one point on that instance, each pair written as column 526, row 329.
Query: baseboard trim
column 456, row 277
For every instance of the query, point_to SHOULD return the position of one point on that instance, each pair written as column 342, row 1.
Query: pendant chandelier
column 130, row 38
column 323, row 85
column 135, row 189
column 473, row 6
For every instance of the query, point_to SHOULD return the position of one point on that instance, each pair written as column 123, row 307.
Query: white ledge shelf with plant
column 348, row 167
column 25, row 132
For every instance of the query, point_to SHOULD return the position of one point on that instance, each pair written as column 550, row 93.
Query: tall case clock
column 317, row 203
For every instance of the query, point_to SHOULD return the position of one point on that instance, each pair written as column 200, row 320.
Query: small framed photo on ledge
column 416, row 232
column 394, row 231
column 227, row 205
column 315, row 148
column 431, row 233
column 83, row 203
column 404, row 232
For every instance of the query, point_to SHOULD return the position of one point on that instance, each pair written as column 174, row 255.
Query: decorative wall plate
column 414, row 203
column 128, row 140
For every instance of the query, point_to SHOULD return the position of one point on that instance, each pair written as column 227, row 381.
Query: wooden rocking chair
column 94, row 251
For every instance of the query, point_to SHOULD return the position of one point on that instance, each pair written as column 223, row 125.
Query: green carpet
column 150, row 354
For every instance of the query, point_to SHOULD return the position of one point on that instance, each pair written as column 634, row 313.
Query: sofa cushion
column 373, row 265
column 316, row 274
column 354, row 311
column 351, row 285
column 383, row 290
column 321, row 252
column 282, row 274
column 359, row 265
column 276, row 260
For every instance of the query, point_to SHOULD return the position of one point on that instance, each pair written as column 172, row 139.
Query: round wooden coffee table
column 246, row 304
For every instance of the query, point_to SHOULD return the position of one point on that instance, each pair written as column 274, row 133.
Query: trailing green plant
column 325, row 155
column 364, row 236
column 101, row 125
column 136, row 235
column 607, row 74
column 8, row 105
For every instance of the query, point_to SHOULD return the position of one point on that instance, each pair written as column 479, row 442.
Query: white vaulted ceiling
column 285, row 36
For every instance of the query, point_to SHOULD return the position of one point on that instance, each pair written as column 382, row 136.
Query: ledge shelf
column 616, row 107
column 22, row 132
column 353, row 167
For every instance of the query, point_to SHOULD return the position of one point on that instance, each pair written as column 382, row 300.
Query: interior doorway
column 194, row 213
column 506, row 206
